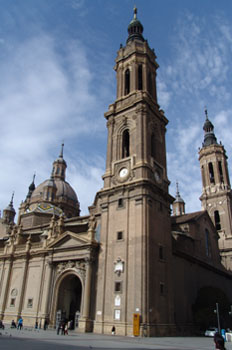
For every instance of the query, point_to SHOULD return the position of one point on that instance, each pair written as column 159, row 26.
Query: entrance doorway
column 69, row 299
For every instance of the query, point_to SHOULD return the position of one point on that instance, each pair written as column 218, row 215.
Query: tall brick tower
column 134, row 204
column 216, row 195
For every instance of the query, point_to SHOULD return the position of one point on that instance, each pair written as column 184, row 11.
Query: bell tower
column 134, row 205
column 216, row 195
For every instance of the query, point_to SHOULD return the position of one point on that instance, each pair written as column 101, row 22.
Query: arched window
column 127, row 82
column 207, row 243
column 140, row 77
column 211, row 173
column 203, row 175
column 57, row 170
column 125, row 144
column 149, row 83
column 220, row 171
column 153, row 145
column 217, row 220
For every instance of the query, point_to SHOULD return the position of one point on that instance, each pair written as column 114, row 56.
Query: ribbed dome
column 56, row 191
column 64, row 190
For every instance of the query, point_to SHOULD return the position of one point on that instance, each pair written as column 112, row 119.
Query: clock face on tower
column 123, row 172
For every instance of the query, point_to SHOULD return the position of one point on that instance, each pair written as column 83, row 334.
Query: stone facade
column 129, row 256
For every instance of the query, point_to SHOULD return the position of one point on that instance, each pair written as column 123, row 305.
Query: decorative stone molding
column 78, row 266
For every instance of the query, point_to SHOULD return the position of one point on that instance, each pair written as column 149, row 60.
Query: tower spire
column 31, row 188
column 209, row 137
column 9, row 212
column 135, row 28
column 59, row 166
column 12, row 197
column 179, row 204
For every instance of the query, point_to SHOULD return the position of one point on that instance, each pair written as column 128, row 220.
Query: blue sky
column 57, row 80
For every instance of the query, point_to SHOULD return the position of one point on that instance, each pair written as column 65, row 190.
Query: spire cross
column 33, row 180
column 12, row 197
column 206, row 113
column 135, row 12
column 62, row 150
column 177, row 189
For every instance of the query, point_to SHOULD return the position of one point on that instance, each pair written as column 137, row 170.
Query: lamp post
column 218, row 318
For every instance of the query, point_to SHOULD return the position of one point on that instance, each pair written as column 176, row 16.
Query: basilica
column 137, row 263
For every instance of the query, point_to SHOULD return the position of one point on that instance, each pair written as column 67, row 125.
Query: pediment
column 68, row 240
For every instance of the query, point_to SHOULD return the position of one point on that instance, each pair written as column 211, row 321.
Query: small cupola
column 59, row 166
column 135, row 28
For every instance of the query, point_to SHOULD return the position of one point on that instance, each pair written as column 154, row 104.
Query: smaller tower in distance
column 9, row 212
column 178, row 205
column 216, row 195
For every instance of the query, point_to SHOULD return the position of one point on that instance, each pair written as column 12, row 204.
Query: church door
column 69, row 298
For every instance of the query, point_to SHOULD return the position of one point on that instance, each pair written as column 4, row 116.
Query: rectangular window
column 12, row 302
column 118, row 287
column 161, row 252
column 117, row 314
column 30, row 303
column 120, row 203
column 162, row 288
column 119, row 235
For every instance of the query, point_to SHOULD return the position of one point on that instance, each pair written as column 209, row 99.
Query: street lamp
column 218, row 318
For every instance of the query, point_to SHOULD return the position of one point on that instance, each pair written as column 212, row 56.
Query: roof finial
column 177, row 189
column 206, row 113
column 12, row 197
column 135, row 12
column 62, row 150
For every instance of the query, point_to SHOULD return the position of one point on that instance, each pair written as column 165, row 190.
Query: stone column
column 4, row 285
column 85, row 323
column 46, row 290
column 22, row 285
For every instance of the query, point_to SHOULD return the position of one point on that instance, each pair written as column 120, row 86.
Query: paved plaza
column 28, row 339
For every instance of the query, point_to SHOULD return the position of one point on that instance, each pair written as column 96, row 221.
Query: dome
column 56, row 191
column 63, row 190
column 179, row 200
column 208, row 126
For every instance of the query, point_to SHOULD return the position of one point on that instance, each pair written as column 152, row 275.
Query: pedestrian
column 63, row 328
column 2, row 325
column 45, row 324
column 220, row 344
column 113, row 330
column 13, row 324
column 66, row 329
column 59, row 327
column 20, row 323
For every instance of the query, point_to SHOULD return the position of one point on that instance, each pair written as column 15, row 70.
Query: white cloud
column 197, row 74
column 43, row 103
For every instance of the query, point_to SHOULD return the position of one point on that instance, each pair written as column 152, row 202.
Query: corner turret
column 179, row 204
column 9, row 212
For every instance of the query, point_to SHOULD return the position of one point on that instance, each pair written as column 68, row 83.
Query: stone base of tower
column 85, row 325
column 150, row 330
column 120, row 328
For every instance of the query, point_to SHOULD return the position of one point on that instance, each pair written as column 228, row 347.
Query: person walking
column 20, row 323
